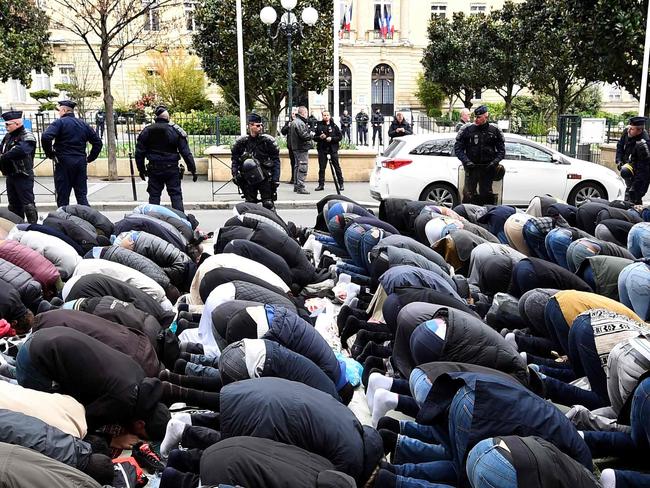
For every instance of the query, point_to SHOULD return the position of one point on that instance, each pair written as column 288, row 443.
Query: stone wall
column 99, row 168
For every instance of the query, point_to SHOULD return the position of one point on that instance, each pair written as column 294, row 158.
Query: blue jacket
column 502, row 407
column 412, row 277
column 289, row 330
column 70, row 136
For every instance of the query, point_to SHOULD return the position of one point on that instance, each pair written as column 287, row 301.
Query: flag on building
column 390, row 27
column 347, row 18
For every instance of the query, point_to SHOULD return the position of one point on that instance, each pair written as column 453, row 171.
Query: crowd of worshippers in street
column 413, row 346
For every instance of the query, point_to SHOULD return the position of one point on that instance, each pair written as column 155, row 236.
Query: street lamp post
column 290, row 25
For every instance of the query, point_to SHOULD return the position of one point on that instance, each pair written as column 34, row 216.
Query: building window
column 66, row 72
column 190, row 15
column 615, row 94
column 345, row 91
column 384, row 24
column 477, row 8
column 17, row 92
column 41, row 81
column 152, row 16
column 438, row 9
column 383, row 89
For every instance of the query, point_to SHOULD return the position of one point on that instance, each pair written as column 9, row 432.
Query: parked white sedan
column 424, row 167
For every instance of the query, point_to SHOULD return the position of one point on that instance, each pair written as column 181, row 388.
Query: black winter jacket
column 480, row 144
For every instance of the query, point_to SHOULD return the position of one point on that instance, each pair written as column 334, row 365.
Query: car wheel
column 440, row 194
column 586, row 191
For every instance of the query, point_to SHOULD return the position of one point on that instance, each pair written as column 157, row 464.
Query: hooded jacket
column 131, row 342
column 51, row 231
column 254, row 461
column 253, row 211
column 220, row 276
column 260, row 254
column 411, row 244
column 31, row 292
column 11, row 305
column 98, row 285
column 30, row 432
column 606, row 270
column 77, row 229
column 412, row 277
column 545, row 275
column 20, row 467
column 456, row 248
column 269, row 408
column 395, row 256
column 63, row 256
column 34, row 263
column 132, row 259
column 98, row 220
column 110, row 384
column 151, row 225
column 502, row 406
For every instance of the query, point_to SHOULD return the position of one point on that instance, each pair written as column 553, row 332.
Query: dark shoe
column 291, row 182
column 179, row 366
column 146, row 458
column 341, row 187
column 56, row 302
column 319, row 188
column 302, row 191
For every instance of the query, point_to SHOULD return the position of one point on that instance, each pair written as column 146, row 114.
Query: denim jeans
column 420, row 385
column 353, row 237
column 27, row 375
column 535, row 240
column 569, row 395
column 604, row 444
column 557, row 242
column 460, row 423
column 193, row 369
column 634, row 288
column 587, row 274
column 580, row 250
column 638, row 240
column 487, row 467
column 584, row 357
column 410, row 450
column 204, row 360
column 412, row 429
column 632, row 479
column 556, row 326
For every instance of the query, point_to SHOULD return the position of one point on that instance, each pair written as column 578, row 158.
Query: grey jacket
column 21, row 467
column 23, row 430
column 300, row 134
column 30, row 290
column 136, row 261
column 172, row 261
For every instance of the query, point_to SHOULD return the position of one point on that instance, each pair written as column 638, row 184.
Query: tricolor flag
column 347, row 17
column 388, row 21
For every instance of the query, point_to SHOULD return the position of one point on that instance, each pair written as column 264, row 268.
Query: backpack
column 128, row 474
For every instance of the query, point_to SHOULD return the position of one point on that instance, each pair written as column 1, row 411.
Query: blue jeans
column 413, row 450
column 460, row 423
column 587, row 274
column 353, row 237
column 487, row 467
column 580, row 250
column 557, row 242
column 420, row 385
column 634, row 288
column 556, row 326
column 603, row 444
column 403, row 482
column 193, row 369
column 204, row 360
column 631, row 479
column 412, row 429
column 27, row 375
column 638, row 239
column 584, row 356
column 535, row 240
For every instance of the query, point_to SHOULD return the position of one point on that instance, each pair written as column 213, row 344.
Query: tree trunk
column 110, row 119
column 468, row 95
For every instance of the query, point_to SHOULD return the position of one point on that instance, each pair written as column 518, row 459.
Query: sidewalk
column 118, row 195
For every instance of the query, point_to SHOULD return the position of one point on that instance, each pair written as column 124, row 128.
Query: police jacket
column 377, row 120
column 392, row 131
column 160, row 143
column 17, row 152
column 70, row 136
column 330, row 130
column 362, row 119
column 480, row 144
column 346, row 120
column 300, row 134
column 638, row 151
column 263, row 148
column 285, row 132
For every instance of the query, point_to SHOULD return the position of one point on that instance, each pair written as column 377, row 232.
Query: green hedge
column 205, row 123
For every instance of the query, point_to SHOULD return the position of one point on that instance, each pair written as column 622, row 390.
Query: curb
column 216, row 205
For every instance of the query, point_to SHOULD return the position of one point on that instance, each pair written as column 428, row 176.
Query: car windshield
column 393, row 148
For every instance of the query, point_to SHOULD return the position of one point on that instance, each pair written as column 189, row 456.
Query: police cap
column 67, row 103
column 159, row 110
column 254, row 119
column 480, row 110
column 638, row 121
column 12, row 115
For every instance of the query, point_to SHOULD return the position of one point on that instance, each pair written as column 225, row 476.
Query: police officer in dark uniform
column 17, row 164
column 346, row 123
column 377, row 122
column 327, row 137
column 256, row 164
column 70, row 136
column 161, row 143
column 362, row 127
column 633, row 159
column 480, row 147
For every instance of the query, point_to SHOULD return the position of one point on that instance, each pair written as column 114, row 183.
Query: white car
column 424, row 167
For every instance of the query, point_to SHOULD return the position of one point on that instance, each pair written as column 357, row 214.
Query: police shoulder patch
column 29, row 137
column 179, row 129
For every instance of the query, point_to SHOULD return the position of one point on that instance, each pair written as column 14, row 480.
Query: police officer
column 480, row 147
column 327, row 137
column 17, row 164
column 256, row 164
column 161, row 143
column 70, row 136
column 285, row 132
column 633, row 159
column 346, row 123
column 377, row 122
column 362, row 127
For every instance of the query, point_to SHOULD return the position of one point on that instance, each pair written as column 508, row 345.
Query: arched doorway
column 345, row 91
column 383, row 89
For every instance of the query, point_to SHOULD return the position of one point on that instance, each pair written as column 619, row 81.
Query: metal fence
column 203, row 131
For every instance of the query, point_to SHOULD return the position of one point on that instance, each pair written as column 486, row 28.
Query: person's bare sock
column 608, row 478
column 383, row 402
column 377, row 381
column 173, row 435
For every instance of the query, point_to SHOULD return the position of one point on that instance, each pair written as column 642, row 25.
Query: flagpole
column 240, row 68
column 335, row 83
